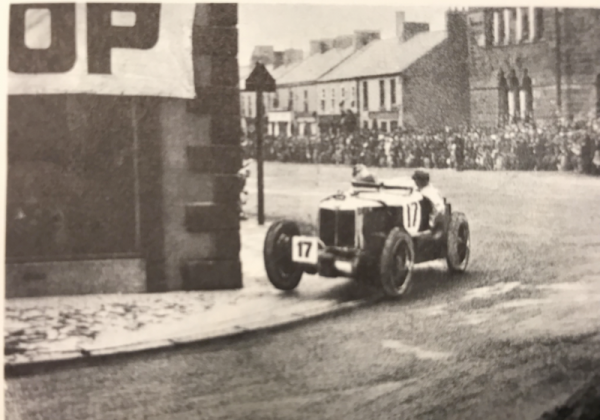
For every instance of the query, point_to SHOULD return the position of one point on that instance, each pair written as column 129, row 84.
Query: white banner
column 107, row 49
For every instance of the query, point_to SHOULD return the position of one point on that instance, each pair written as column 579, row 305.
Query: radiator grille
column 337, row 228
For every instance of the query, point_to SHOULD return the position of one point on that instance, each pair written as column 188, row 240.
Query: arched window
column 526, row 98
column 598, row 96
column 502, row 99
column 513, row 97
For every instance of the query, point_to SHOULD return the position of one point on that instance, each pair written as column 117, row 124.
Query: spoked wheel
column 459, row 243
column 397, row 261
column 282, row 272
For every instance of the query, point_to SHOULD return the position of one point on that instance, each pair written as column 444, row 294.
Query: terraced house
column 296, row 108
column 415, row 78
column 530, row 63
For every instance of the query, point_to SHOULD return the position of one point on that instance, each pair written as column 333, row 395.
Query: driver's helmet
column 360, row 173
column 421, row 177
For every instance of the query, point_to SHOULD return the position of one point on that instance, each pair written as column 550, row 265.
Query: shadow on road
column 427, row 282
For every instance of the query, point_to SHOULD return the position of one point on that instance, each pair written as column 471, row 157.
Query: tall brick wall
column 203, row 239
column 579, row 57
column 435, row 88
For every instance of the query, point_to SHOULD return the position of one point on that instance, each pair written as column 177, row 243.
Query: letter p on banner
column 142, row 35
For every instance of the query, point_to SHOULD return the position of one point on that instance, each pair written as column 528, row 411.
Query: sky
column 294, row 25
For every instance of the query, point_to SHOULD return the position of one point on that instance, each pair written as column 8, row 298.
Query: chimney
column 320, row 46
column 344, row 41
column 413, row 28
column 400, row 25
column 278, row 59
column 362, row 38
column 291, row 56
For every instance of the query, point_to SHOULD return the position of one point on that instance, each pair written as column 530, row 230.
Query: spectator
column 565, row 145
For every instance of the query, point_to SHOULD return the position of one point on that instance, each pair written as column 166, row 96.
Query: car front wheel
column 283, row 273
column 396, row 264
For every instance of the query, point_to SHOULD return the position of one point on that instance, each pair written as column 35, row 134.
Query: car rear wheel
column 459, row 243
column 397, row 262
column 282, row 272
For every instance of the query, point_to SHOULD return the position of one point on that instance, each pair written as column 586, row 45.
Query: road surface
column 512, row 338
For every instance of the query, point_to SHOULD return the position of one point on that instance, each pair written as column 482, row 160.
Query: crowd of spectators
column 564, row 146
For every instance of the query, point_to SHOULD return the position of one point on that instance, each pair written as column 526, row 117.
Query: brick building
column 532, row 63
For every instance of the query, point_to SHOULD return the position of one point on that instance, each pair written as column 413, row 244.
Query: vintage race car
column 374, row 232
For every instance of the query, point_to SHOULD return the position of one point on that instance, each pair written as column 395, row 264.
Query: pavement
column 70, row 327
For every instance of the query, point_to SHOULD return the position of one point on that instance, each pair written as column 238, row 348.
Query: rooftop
column 387, row 56
column 315, row 66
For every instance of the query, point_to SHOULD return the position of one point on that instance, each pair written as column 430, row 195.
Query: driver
column 360, row 173
column 438, row 206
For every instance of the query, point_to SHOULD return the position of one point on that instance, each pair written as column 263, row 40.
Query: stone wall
column 206, row 255
column 579, row 60
column 436, row 87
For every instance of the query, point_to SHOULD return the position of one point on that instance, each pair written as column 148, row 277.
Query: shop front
column 107, row 129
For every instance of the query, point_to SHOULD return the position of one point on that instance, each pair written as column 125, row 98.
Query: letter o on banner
column 59, row 55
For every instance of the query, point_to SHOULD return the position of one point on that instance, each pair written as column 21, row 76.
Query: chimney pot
column 400, row 25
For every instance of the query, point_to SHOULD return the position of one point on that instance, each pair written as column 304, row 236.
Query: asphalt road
column 520, row 343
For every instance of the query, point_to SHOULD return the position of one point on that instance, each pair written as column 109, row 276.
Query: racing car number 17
column 305, row 249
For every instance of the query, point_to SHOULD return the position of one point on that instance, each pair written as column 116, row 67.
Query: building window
column 366, row 125
column 375, row 125
column 365, row 95
column 333, row 100
column 514, row 109
column 393, row 125
column 499, row 27
column 343, row 93
column 353, row 91
column 522, row 24
column 512, row 26
column 515, row 25
column 291, row 101
column 382, row 93
column 276, row 100
column 322, row 105
column 384, row 126
column 393, row 91
column 526, row 98
column 306, row 101
column 502, row 99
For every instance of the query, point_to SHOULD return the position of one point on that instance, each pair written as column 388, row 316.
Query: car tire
column 458, row 246
column 396, row 263
column 282, row 272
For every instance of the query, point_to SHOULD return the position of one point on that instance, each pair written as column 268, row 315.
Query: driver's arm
column 436, row 200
